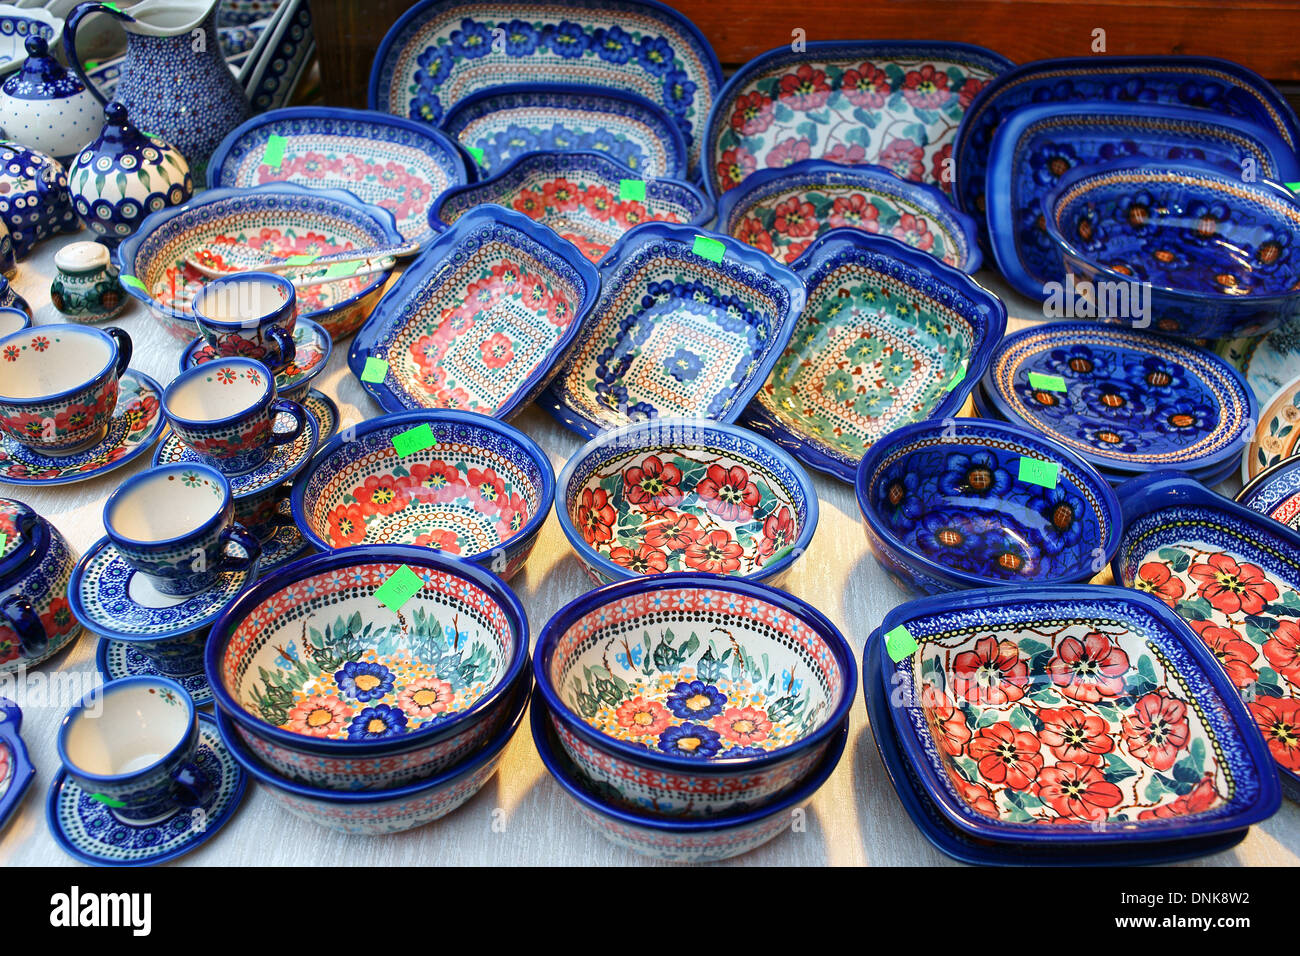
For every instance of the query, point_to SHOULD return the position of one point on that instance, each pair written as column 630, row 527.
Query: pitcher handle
column 79, row 13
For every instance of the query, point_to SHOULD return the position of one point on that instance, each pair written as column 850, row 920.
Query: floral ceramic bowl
column 481, row 321
column 481, row 491
column 685, row 495
column 1277, row 435
column 1234, row 576
column 967, row 502
column 782, row 211
column 281, row 219
column 688, row 324
column 581, row 196
column 335, row 683
column 889, row 336
column 1069, row 716
column 679, row 838
column 1212, row 255
column 694, row 694
column 391, row 809
column 1275, row 492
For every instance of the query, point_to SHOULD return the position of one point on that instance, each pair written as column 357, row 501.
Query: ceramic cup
column 225, row 410
column 13, row 320
column 58, row 385
column 173, row 524
column 133, row 744
column 252, row 314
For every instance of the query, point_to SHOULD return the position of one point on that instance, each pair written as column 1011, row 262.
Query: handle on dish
column 79, row 13
column 124, row 348
column 284, row 345
column 191, row 785
column 246, row 540
column 299, row 415
column 22, row 617
column 26, row 523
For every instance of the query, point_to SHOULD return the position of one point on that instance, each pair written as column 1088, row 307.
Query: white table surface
column 855, row 819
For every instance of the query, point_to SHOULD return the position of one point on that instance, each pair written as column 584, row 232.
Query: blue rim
column 239, row 750
column 33, row 544
column 185, row 377
column 420, row 417
column 104, row 690
column 130, row 483
column 824, row 171
column 271, row 318
column 1256, row 487
column 23, row 772
column 1003, row 237
column 25, row 320
column 125, row 254
column 320, row 338
column 555, row 402
column 566, row 778
column 813, row 52
column 842, row 467
column 566, row 616
column 1270, row 795
column 617, row 572
column 870, row 464
column 433, row 260
column 320, row 563
column 65, row 329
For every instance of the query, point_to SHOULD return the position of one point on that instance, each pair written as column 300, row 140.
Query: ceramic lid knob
column 115, row 113
column 37, row 46
column 81, row 257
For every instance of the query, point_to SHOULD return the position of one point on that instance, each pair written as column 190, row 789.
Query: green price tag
column 631, row 189
column 274, row 154
column 399, row 588
column 1294, row 187
column 707, row 248
column 376, row 370
column 106, row 800
column 114, row 7
column 956, row 379
column 4, row 540
column 476, row 153
column 134, row 283
column 1035, row 471
column 414, row 439
column 900, row 643
column 300, row 260
column 1046, row 383
column 91, row 64
column 340, row 270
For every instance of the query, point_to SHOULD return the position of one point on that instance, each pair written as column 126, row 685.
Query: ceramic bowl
column 1276, row 436
column 889, row 336
column 13, row 320
column 388, row 161
column 481, row 321
column 284, row 219
column 694, row 694
column 16, row 770
column 685, row 495
column 678, row 839
column 498, row 125
column 676, row 333
column 1234, row 576
column 481, row 493
column 391, row 809
column 966, row 502
column 580, row 196
column 1070, row 715
column 1213, row 256
column 1275, row 492
column 782, row 211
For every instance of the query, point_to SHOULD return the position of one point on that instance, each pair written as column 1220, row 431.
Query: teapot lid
column 22, row 535
column 42, row 77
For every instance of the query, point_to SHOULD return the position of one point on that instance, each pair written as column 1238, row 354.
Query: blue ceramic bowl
column 680, row 504
column 967, row 502
column 19, row 771
column 688, row 325
column 678, row 839
column 1211, row 255
column 481, row 493
column 889, row 336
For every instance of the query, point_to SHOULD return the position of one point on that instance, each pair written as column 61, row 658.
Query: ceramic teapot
column 44, row 105
column 35, row 565
column 34, row 199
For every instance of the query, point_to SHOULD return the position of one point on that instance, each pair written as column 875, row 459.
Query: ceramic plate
column 395, row 163
column 1037, row 145
column 312, row 347
column 235, row 13
column 888, row 337
column 1277, row 433
column 442, row 51
column 580, row 196
column 481, row 320
column 16, row 26
column 1275, row 492
column 16, row 770
column 499, row 125
column 892, row 103
column 1220, row 86
column 1133, row 401
column 271, row 70
column 285, row 462
column 782, row 211
column 137, row 423
column 116, row 659
column 325, row 412
column 1268, row 361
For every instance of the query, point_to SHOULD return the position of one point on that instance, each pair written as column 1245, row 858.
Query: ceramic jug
column 175, row 83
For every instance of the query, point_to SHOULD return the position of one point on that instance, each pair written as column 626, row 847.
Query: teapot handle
column 79, row 13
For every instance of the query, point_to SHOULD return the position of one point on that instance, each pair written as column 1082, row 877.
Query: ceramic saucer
column 1277, row 434
column 312, row 347
column 117, row 659
column 16, row 770
column 91, row 832
column 136, row 425
column 284, row 463
column 1268, row 361
column 325, row 412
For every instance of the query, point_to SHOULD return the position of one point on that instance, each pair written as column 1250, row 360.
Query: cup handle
column 299, row 421
column 124, row 348
column 246, row 540
column 283, row 340
column 191, row 785
column 82, row 11
column 22, row 617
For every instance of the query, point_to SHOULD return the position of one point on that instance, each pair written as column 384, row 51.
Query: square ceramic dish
column 481, row 321
column 1071, row 715
column 889, row 336
column 676, row 333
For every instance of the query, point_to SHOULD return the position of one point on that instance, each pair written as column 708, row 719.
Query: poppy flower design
column 953, row 732
column 994, row 673
column 716, row 552
column 1156, row 579
column 1077, row 791
column 1089, row 670
column 1231, row 587
column 319, row 716
column 653, row 483
column 1157, row 731
column 1278, row 719
column 642, row 717
column 1075, row 735
column 643, row 560
column 1235, row 655
column 1282, row 650
column 1006, row 756
column 596, row 516
column 728, row 492
column 743, row 725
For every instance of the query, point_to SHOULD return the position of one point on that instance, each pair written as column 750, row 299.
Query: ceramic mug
column 174, row 523
column 133, row 744
column 252, row 314
column 58, row 385
column 13, row 320
column 226, row 409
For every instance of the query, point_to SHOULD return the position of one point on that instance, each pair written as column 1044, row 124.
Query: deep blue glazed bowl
column 967, row 502
column 1213, row 256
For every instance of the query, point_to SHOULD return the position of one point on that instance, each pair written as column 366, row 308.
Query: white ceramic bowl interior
column 127, row 729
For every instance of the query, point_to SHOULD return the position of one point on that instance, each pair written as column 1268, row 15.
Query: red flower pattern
column 1089, row 670
column 993, row 673
column 1231, row 587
